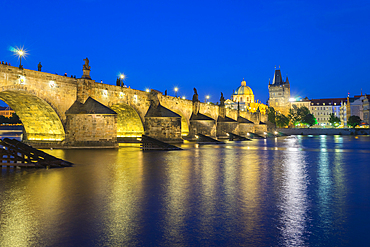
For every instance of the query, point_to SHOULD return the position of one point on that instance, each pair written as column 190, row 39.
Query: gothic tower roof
column 278, row 79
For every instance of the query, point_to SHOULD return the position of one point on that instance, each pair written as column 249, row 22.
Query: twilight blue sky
column 323, row 46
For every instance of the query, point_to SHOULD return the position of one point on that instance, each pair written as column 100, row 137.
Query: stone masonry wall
column 205, row 127
column 166, row 129
column 244, row 128
column 225, row 127
column 91, row 130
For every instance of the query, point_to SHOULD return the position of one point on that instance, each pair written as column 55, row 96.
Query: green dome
column 243, row 89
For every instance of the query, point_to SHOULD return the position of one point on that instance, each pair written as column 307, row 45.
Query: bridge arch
column 41, row 122
column 184, row 122
column 129, row 123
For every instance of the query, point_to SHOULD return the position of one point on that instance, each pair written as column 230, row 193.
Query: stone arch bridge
column 55, row 109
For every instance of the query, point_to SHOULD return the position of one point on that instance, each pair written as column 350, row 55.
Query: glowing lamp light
column 121, row 94
column 183, row 97
column 276, row 132
column 122, row 76
column 52, row 84
column 147, row 90
column 196, row 136
column 19, row 52
column 22, row 80
column 176, row 89
column 248, row 134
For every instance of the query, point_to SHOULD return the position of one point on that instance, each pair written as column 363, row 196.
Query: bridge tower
column 279, row 93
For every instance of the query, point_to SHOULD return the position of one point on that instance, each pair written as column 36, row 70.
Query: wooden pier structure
column 15, row 154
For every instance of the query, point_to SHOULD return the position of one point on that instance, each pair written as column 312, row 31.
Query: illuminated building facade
column 279, row 93
column 322, row 108
column 245, row 97
column 299, row 102
column 6, row 111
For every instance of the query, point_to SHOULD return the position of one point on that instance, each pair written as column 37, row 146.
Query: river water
column 286, row 191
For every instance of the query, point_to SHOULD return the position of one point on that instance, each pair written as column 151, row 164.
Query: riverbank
column 323, row 131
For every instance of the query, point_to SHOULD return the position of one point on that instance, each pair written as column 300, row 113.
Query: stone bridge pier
column 80, row 112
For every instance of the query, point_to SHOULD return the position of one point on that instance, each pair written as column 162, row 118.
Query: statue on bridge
column 86, row 65
column 86, row 69
column 39, row 66
column 222, row 100
column 195, row 96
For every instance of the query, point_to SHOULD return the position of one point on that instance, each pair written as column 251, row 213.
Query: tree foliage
column 271, row 114
column 334, row 120
column 353, row 121
column 281, row 120
column 296, row 115
column 309, row 119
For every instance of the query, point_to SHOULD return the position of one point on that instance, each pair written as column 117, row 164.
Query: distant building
column 245, row 97
column 279, row 93
column 299, row 102
column 366, row 109
column 359, row 106
column 6, row 111
column 322, row 108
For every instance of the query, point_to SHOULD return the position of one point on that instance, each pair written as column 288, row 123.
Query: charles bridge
column 72, row 112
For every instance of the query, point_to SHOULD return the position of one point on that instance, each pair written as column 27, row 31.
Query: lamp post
column 207, row 99
column 176, row 89
column 20, row 54
column 122, row 77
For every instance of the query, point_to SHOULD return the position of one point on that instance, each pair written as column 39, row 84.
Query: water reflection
column 302, row 191
column 124, row 198
column 176, row 197
column 250, row 179
column 293, row 203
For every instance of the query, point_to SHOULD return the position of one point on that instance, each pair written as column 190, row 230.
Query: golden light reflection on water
column 176, row 198
column 250, row 176
column 124, row 199
column 248, row 191
column 27, row 204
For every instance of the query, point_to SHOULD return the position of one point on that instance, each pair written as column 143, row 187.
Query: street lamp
column 20, row 54
column 176, row 89
column 122, row 77
column 207, row 99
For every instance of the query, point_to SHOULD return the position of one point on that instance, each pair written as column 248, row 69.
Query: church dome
column 243, row 89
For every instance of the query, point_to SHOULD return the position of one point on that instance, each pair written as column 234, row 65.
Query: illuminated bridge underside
column 129, row 123
column 184, row 123
column 39, row 119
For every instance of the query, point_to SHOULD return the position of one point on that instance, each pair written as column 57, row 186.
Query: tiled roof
column 200, row 116
column 90, row 106
column 160, row 111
